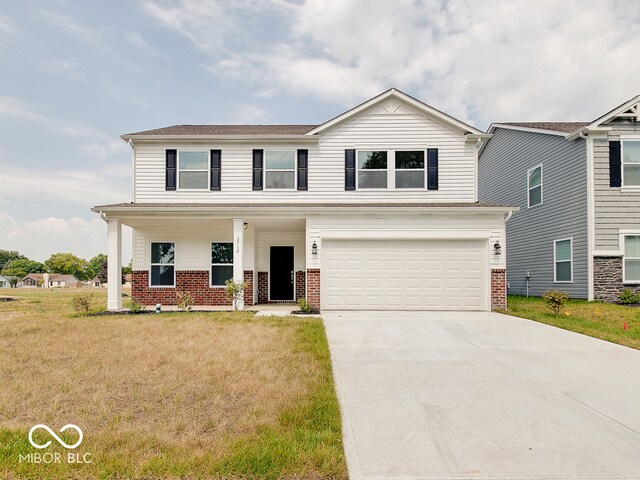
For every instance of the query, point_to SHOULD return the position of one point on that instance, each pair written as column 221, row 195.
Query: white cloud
column 248, row 114
column 65, row 67
column 481, row 61
column 137, row 40
column 39, row 238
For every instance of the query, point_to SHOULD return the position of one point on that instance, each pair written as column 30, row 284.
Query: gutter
column 222, row 138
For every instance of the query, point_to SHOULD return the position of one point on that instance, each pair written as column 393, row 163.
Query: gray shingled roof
column 228, row 130
column 565, row 127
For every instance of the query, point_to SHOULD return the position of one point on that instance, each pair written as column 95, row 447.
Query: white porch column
column 114, row 265
column 238, row 250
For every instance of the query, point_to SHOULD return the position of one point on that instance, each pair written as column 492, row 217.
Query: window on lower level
column 163, row 273
column 563, row 258
column 193, row 170
column 632, row 258
column 534, row 183
column 631, row 163
column 372, row 169
column 221, row 263
column 280, row 169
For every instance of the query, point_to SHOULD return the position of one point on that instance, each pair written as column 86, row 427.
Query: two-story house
column 374, row 209
column 578, row 189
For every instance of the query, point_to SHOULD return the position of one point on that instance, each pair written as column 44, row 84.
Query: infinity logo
column 52, row 433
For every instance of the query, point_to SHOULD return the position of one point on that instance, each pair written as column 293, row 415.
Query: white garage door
column 404, row 274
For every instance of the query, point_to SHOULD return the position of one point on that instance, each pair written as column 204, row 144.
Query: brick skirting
column 607, row 279
column 196, row 282
column 313, row 287
column 498, row 289
column 263, row 287
column 301, row 287
column 248, row 292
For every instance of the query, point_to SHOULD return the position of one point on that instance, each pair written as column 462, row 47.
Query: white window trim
column 219, row 264
column 541, row 186
column 555, row 261
column 151, row 264
column 208, row 171
column 295, row 169
column 391, row 169
column 627, row 138
column 623, row 234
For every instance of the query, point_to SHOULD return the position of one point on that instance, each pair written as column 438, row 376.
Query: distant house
column 4, row 282
column 95, row 282
column 50, row 280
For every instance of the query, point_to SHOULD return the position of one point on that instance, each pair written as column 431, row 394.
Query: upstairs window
column 193, row 170
column 631, row 163
column 221, row 263
column 534, row 181
column 372, row 169
column 563, row 258
column 410, row 169
column 632, row 258
column 162, row 265
column 280, row 169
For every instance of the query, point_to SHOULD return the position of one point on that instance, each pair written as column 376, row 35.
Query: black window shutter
column 257, row 169
column 216, row 169
column 349, row 169
column 432, row 169
column 303, row 157
column 170, row 169
column 615, row 165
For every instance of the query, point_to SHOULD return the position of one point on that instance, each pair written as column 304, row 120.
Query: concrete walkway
column 482, row 396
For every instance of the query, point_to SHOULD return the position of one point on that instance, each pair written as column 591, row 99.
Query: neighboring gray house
column 4, row 282
column 578, row 189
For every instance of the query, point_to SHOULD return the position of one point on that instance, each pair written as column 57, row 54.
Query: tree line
column 16, row 266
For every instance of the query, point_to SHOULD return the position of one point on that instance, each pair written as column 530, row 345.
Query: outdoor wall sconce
column 245, row 225
column 314, row 248
column 497, row 249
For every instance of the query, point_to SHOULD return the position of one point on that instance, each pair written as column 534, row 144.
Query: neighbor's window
column 372, row 169
column 280, row 169
column 563, row 260
column 193, row 170
column 410, row 169
column 221, row 263
column 631, row 163
column 632, row 258
column 162, row 264
column 534, row 178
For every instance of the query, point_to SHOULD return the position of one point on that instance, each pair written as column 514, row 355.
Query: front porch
column 173, row 254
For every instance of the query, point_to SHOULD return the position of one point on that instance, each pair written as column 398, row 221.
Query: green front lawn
column 596, row 319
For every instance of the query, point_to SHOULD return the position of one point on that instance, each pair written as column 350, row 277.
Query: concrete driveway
column 484, row 396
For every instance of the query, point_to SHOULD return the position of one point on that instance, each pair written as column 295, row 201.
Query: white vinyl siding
column 631, row 266
column 534, row 186
column 376, row 129
column 563, row 260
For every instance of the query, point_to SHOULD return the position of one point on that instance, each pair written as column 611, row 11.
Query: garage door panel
column 404, row 274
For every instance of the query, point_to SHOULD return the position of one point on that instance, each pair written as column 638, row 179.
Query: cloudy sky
column 78, row 74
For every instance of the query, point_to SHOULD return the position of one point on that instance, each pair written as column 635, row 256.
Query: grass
column 596, row 319
column 177, row 395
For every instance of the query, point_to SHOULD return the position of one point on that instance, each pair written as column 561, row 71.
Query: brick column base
column 608, row 280
column 313, row 287
column 263, row 287
column 498, row 289
column 248, row 292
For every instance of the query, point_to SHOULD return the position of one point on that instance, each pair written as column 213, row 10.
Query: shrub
column 628, row 297
column 235, row 292
column 185, row 302
column 304, row 306
column 136, row 307
column 554, row 300
column 82, row 302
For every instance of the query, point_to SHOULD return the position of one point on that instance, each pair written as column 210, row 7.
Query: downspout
column 590, row 213
column 133, row 168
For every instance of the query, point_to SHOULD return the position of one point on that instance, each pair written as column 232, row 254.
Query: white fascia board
column 418, row 105
column 221, row 138
column 589, row 131
column 526, row 129
column 613, row 113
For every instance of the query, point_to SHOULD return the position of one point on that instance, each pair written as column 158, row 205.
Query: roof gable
column 629, row 110
column 394, row 101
